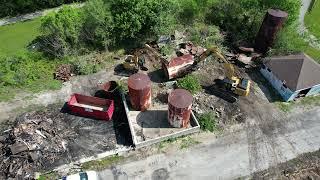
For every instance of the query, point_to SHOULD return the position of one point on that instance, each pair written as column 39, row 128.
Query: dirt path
column 30, row 16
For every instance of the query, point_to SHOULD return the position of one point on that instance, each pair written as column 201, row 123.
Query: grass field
column 312, row 20
column 14, row 38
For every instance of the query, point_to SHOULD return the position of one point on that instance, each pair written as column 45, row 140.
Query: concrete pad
column 152, row 126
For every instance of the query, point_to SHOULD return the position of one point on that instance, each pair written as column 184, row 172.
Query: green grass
column 188, row 142
column 289, row 41
column 102, row 163
column 208, row 122
column 190, row 83
column 14, row 38
column 183, row 142
column 308, row 102
column 49, row 176
column 312, row 20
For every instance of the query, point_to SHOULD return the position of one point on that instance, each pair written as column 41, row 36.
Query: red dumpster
column 93, row 107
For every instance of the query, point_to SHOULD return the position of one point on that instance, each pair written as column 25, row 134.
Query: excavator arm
column 237, row 85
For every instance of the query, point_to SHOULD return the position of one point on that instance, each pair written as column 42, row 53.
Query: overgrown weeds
column 208, row 122
column 102, row 163
column 190, row 83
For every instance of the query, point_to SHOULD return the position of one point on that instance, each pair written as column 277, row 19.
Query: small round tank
column 179, row 110
column 139, row 86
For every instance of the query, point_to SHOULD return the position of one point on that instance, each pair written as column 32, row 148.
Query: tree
column 136, row 18
column 61, row 31
column 98, row 24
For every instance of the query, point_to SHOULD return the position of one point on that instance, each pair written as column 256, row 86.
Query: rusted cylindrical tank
column 272, row 23
column 108, row 90
column 178, row 66
column 139, row 86
column 179, row 110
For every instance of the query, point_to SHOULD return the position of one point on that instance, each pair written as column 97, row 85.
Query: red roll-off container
column 92, row 107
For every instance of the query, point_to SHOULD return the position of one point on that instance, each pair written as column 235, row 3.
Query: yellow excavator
column 134, row 62
column 237, row 85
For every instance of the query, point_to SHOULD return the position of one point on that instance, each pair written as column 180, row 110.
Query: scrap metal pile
column 42, row 140
column 63, row 72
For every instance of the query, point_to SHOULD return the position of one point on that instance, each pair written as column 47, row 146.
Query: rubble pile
column 39, row 141
column 34, row 141
column 190, row 48
column 63, row 72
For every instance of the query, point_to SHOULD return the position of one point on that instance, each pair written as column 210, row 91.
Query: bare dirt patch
column 306, row 166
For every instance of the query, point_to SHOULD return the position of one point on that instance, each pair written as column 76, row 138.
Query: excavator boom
column 237, row 85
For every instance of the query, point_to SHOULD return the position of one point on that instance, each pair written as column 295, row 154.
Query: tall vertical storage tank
column 139, row 86
column 179, row 110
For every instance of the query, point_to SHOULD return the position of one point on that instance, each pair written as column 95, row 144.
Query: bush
column 15, row 7
column 27, row 70
column 208, row 122
column 61, row 31
column 189, row 10
column 205, row 35
column 98, row 24
column 89, row 64
column 138, row 19
column 190, row 83
column 289, row 42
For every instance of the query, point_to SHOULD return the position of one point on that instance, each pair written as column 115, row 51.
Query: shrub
column 208, row 122
column 138, row 19
column 61, row 31
column 189, row 10
column 27, row 70
column 98, row 24
column 88, row 64
column 205, row 35
column 190, row 83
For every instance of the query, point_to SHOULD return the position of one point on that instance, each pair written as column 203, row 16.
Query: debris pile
column 43, row 140
column 63, row 72
column 190, row 48
column 33, row 142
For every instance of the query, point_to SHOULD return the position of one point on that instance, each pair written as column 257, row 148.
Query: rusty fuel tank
column 179, row 110
column 139, row 86
column 272, row 23
column 178, row 66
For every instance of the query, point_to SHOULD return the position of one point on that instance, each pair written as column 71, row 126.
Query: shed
column 293, row 76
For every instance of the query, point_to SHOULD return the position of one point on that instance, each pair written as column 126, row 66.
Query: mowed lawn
column 312, row 20
column 15, row 38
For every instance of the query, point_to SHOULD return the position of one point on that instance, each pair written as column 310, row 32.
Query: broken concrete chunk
column 194, row 50
column 18, row 147
column 2, row 139
column 34, row 156
column 245, row 49
column 182, row 52
column 200, row 51
column 244, row 59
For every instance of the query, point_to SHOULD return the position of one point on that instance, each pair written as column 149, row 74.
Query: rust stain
column 178, row 66
column 272, row 23
column 179, row 108
column 139, row 86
